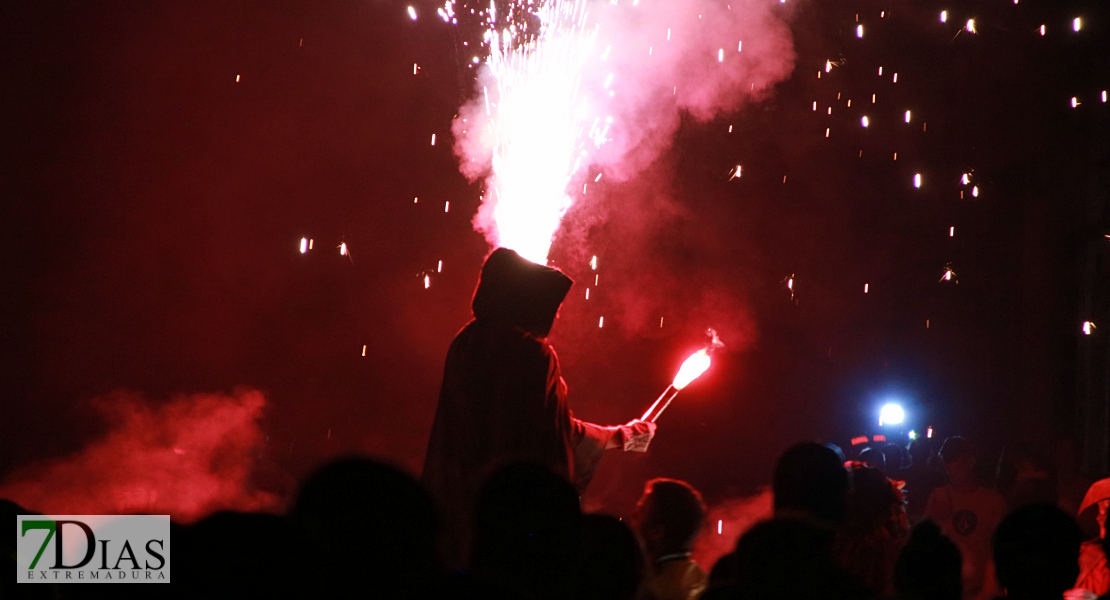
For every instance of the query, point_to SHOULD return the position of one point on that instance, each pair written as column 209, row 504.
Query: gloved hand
column 637, row 435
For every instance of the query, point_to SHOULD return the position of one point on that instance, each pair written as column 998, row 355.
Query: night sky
column 162, row 161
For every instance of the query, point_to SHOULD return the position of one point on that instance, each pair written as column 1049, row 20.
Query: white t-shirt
column 969, row 519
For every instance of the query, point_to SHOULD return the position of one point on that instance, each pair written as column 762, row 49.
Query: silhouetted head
column 839, row 452
column 959, row 459
column 527, row 531
column 873, row 458
column 920, row 451
column 894, row 455
column 9, row 513
column 875, row 502
column 669, row 516
column 930, row 566
column 242, row 555
column 810, row 479
column 520, row 292
column 789, row 558
column 1036, row 552
column 357, row 511
column 612, row 563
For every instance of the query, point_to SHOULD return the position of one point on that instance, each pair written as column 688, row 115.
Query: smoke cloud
column 187, row 458
column 650, row 62
column 734, row 518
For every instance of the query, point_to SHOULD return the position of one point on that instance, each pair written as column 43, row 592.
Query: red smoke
column 187, row 458
column 655, row 61
column 735, row 517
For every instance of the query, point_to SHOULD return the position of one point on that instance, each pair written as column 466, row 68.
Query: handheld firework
column 691, row 369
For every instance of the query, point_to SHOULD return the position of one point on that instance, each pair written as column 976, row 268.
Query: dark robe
column 503, row 398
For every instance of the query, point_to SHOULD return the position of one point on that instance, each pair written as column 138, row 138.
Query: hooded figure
column 503, row 398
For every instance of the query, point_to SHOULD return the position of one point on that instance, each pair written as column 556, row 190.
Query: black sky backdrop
column 153, row 206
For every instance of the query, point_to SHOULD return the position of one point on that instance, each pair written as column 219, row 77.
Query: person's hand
column 637, row 435
column 1080, row 594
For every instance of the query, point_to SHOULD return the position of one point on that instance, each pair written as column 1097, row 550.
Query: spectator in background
column 669, row 516
column 790, row 556
column 930, row 566
column 921, row 478
column 527, row 534
column 366, row 526
column 967, row 512
column 872, row 458
column 810, row 482
column 1036, row 553
column 894, row 458
column 870, row 538
column 1034, row 480
column 1094, row 574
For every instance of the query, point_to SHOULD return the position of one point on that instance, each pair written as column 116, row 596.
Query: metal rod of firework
column 691, row 369
column 669, row 390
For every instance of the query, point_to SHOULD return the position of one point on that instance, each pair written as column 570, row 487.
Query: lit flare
column 691, row 369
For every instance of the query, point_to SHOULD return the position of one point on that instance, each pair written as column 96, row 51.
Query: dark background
column 152, row 209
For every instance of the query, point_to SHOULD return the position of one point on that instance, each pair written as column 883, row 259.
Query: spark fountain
column 535, row 124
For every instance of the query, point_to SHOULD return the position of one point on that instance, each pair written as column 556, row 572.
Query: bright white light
column 908, row 116
column 891, row 414
column 691, row 369
column 970, row 27
column 913, row 435
column 534, row 160
column 943, row 16
column 865, row 121
column 412, row 13
column 1077, row 24
column 721, row 55
column 1104, row 96
column 917, row 180
column 1074, row 101
column 1042, row 29
column 1088, row 327
column 304, row 245
column 859, row 31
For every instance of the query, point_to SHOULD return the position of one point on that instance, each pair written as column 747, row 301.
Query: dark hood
column 519, row 291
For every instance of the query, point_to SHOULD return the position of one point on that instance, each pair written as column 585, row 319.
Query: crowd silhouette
column 841, row 529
